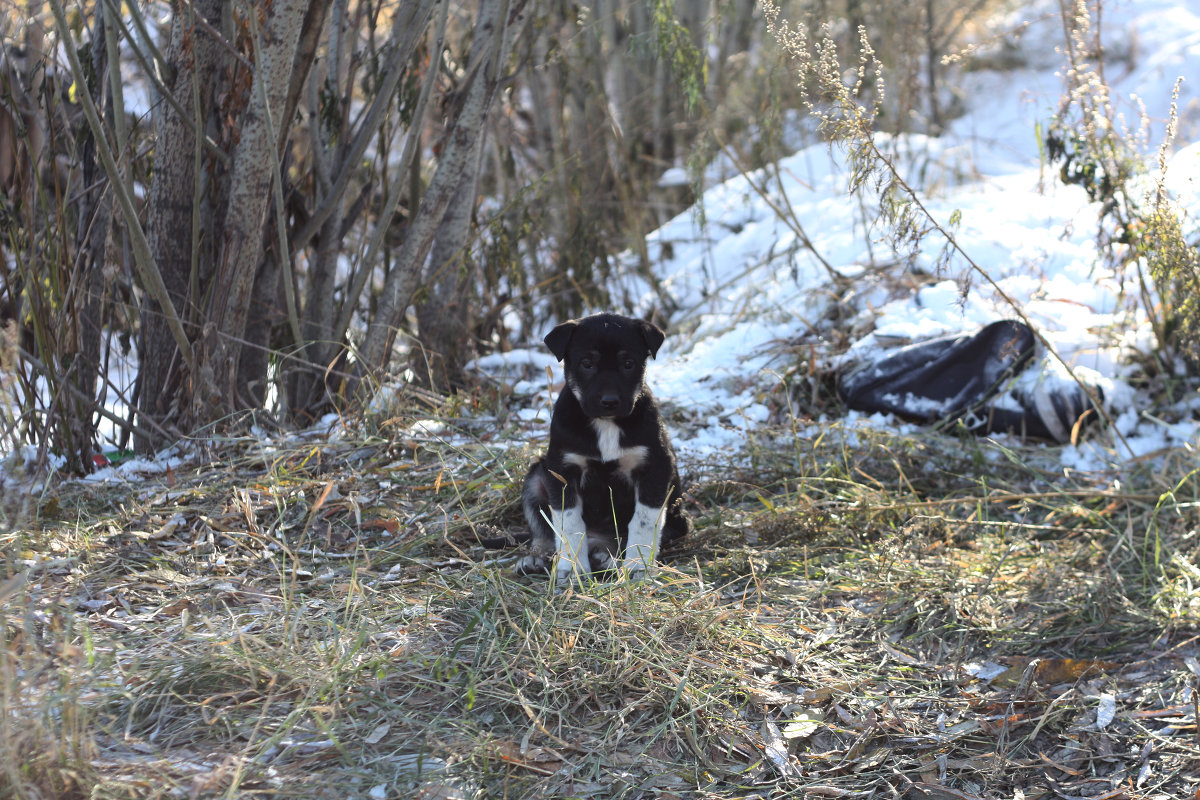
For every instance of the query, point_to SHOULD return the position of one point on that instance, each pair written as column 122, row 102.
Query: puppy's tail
column 493, row 538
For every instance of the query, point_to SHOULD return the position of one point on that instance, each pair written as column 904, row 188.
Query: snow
column 763, row 259
column 134, row 470
column 744, row 280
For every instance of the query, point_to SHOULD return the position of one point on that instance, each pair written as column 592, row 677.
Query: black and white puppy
column 606, row 494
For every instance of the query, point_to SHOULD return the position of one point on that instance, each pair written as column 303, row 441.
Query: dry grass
column 316, row 620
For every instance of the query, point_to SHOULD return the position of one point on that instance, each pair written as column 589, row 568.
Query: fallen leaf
column 814, row 696
column 1105, row 710
column 824, row 694
column 825, row 635
column 984, row 671
column 375, row 736
column 168, row 527
column 1169, row 711
column 535, row 759
column 1050, row 671
column 1069, row 670
column 1143, row 775
column 902, row 657
column 803, row 725
column 178, row 606
column 776, row 750
column 762, row 696
column 962, row 728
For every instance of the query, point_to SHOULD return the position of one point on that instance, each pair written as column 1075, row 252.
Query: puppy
column 606, row 494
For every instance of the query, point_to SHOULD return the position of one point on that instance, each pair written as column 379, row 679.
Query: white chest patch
column 608, row 437
column 608, row 442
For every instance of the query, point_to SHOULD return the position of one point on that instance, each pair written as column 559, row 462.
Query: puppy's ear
column 653, row 336
column 558, row 339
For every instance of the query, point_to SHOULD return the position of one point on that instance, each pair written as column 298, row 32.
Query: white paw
column 531, row 565
column 566, row 569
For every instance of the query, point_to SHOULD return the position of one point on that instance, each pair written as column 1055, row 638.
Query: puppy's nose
column 609, row 402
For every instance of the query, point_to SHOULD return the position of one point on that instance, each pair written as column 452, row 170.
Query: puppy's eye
column 629, row 365
column 585, row 363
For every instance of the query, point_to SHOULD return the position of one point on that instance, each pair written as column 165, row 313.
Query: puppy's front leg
column 641, row 548
column 570, row 534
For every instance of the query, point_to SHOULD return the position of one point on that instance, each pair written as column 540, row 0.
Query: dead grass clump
column 45, row 729
column 552, row 691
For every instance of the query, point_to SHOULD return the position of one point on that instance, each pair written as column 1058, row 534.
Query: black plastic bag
column 960, row 377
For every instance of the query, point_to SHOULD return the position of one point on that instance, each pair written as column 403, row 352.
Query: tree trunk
column 309, row 392
column 250, row 191
column 498, row 24
column 932, row 59
column 79, row 347
column 305, row 395
column 445, row 318
column 264, row 314
column 194, row 58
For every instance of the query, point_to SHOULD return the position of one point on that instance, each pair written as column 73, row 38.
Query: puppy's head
column 604, row 359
